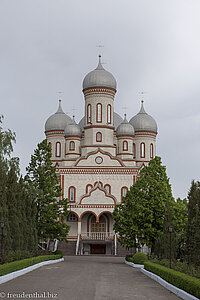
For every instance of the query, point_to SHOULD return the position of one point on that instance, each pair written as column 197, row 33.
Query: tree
column 193, row 225
column 51, row 208
column 146, row 208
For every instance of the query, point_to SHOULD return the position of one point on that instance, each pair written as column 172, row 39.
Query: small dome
column 125, row 128
column 99, row 77
column 72, row 129
column 117, row 120
column 143, row 122
column 57, row 121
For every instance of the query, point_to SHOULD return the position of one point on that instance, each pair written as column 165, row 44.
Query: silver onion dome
column 125, row 128
column 99, row 78
column 72, row 129
column 57, row 121
column 143, row 122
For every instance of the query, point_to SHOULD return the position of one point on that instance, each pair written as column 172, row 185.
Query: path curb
column 180, row 293
column 15, row 274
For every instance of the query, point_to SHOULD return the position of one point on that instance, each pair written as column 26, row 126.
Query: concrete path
column 86, row 278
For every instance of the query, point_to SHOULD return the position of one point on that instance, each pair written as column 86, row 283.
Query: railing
column 97, row 236
column 77, row 244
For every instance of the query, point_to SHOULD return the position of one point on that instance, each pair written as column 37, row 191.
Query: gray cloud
column 47, row 46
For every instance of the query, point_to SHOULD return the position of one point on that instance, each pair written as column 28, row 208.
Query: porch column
column 79, row 227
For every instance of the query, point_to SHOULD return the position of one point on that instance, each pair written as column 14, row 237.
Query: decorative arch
column 72, row 194
column 108, row 188
column 87, row 212
column 73, row 212
column 125, row 146
column 142, row 150
column 72, row 146
column 151, row 150
column 58, row 149
column 88, row 188
column 99, row 113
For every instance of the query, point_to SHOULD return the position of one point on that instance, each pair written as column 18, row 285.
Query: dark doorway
column 97, row 249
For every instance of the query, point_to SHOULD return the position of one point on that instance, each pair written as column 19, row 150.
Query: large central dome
column 99, row 78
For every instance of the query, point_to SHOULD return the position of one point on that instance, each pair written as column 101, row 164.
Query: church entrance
column 97, row 249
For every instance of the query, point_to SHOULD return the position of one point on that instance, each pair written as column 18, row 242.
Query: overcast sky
column 153, row 46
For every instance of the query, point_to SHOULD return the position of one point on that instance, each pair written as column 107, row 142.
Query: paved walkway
column 86, row 278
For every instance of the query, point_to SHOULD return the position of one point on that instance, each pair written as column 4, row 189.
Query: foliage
column 139, row 258
column 60, row 252
column 51, row 208
column 180, row 280
column 21, row 264
column 146, row 208
column 129, row 258
column 16, row 255
column 17, row 206
column 193, row 225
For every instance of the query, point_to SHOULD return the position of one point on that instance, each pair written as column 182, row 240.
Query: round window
column 99, row 160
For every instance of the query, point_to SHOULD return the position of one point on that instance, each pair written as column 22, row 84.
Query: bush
column 129, row 258
column 180, row 280
column 16, row 255
column 139, row 258
column 58, row 252
column 21, row 264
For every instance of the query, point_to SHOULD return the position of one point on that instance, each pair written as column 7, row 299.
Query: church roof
column 125, row 128
column 99, row 78
column 143, row 122
column 72, row 129
column 57, row 121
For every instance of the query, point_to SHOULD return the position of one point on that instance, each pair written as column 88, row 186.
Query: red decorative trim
column 109, row 114
column 98, row 182
column 99, row 89
column 98, row 162
column 72, row 220
column 58, row 151
column 151, row 150
column 125, row 148
column 94, row 146
column 72, row 153
column 72, row 146
column 75, row 137
column 142, row 150
column 100, row 135
column 128, row 137
column 89, row 113
column 71, row 211
column 134, row 179
column 124, row 187
column 86, row 212
column 94, row 189
column 104, row 212
column 109, row 188
column 99, row 126
column 125, row 153
column 69, row 194
column 87, row 186
column 99, row 107
column 99, row 151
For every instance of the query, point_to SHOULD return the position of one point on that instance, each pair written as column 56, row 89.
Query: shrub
column 139, row 258
column 58, row 252
column 21, row 264
column 180, row 280
column 16, row 255
column 129, row 258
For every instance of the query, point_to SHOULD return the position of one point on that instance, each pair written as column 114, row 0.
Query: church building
column 97, row 161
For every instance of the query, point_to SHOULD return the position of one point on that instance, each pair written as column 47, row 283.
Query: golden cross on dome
column 125, row 109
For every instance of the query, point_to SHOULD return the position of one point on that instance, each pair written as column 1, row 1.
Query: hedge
column 24, row 263
column 139, row 258
column 185, row 282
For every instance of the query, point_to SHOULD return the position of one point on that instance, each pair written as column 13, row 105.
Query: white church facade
column 97, row 161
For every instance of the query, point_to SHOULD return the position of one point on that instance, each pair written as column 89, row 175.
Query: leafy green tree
column 193, row 225
column 51, row 208
column 146, row 207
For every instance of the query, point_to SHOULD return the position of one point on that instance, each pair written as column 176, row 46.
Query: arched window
column 88, row 188
column 109, row 114
column 142, row 150
column 125, row 146
column 108, row 188
column 72, row 218
column 151, row 150
column 89, row 113
column 71, row 145
column 72, row 194
column 134, row 150
column 99, row 137
column 58, row 149
column 99, row 112
column 124, row 190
